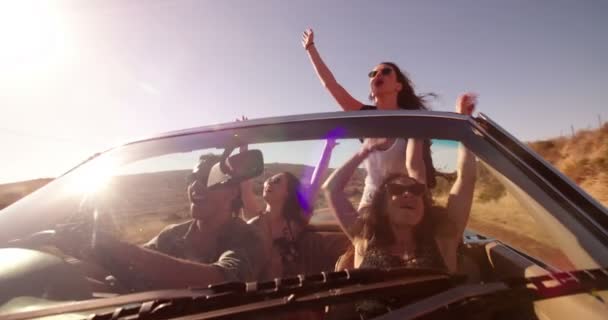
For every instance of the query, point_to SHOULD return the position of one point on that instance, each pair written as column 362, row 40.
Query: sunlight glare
column 33, row 39
column 94, row 178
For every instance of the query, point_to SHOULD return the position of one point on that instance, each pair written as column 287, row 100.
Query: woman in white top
column 390, row 89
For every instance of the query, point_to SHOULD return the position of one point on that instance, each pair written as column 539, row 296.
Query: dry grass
column 12, row 192
column 507, row 221
column 583, row 158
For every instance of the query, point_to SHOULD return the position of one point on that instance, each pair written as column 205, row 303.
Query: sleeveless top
column 379, row 165
column 392, row 166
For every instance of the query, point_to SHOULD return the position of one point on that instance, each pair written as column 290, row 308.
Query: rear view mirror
column 236, row 168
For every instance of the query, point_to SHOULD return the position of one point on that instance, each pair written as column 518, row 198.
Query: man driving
column 214, row 246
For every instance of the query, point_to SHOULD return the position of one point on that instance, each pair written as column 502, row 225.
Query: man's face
column 209, row 204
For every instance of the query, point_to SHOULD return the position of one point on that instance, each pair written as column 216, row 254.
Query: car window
column 137, row 200
column 496, row 212
column 143, row 197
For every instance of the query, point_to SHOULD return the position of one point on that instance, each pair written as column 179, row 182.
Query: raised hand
column 331, row 143
column 375, row 144
column 308, row 38
column 465, row 104
column 244, row 147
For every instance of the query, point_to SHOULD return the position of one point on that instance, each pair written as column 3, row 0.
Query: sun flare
column 33, row 38
column 94, row 178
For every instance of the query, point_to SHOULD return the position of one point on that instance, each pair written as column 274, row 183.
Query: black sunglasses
column 384, row 71
column 397, row 189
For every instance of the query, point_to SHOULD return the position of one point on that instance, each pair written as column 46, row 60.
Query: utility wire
column 6, row 131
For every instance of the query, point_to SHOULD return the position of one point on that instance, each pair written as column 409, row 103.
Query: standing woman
column 390, row 89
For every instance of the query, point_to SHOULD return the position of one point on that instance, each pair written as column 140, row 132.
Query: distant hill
column 12, row 192
column 583, row 158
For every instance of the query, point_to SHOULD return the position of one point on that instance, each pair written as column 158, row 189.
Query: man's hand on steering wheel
column 82, row 241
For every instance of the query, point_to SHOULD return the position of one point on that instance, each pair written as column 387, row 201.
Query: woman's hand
column 465, row 104
column 331, row 143
column 244, row 147
column 374, row 144
column 308, row 38
column 343, row 98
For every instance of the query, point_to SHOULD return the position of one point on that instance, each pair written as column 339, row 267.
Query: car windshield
column 282, row 222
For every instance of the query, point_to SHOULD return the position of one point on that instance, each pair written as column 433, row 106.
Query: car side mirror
column 236, row 168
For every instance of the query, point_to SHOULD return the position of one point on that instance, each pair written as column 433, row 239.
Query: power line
column 7, row 131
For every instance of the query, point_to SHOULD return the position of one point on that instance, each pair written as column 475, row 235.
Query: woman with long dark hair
column 390, row 89
column 282, row 222
column 402, row 227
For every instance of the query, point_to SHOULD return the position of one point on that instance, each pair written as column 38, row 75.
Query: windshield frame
column 477, row 134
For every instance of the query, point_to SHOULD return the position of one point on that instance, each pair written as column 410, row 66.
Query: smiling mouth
column 407, row 207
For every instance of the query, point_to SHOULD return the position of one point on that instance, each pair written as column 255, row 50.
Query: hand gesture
column 331, row 143
column 308, row 38
column 244, row 147
column 375, row 144
column 465, row 104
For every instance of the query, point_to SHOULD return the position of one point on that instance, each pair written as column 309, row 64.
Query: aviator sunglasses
column 398, row 189
column 384, row 71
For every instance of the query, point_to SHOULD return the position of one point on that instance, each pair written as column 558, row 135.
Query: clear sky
column 79, row 76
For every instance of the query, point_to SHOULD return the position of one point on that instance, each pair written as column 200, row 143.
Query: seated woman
column 402, row 227
column 283, row 220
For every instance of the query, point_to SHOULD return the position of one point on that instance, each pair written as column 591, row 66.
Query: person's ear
column 399, row 87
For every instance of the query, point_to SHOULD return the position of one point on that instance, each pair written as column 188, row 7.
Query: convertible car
column 536, row 245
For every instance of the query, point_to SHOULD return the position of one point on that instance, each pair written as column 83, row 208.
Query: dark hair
column 373, row 224
column 292, row 208
column 408, row 100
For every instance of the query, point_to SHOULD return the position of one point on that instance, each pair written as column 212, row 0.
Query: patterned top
column 310, row 252
column 427, row 257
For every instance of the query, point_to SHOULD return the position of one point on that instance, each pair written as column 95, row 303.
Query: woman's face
column 405, row 204
column 383, row 80
column 275, row 189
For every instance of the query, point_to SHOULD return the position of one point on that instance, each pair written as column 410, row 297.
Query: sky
column 77, row 77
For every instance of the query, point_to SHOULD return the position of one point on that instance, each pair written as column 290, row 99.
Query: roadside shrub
column 487, row 186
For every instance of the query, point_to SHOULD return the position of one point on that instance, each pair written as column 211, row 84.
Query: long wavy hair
column 374, row 224
column 408, row 99
column 293, row 210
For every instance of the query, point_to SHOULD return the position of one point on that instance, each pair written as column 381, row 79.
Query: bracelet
column 308, row 45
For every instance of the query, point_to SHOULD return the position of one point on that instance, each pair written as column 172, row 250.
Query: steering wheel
column 50, row 242
column 32, row 273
